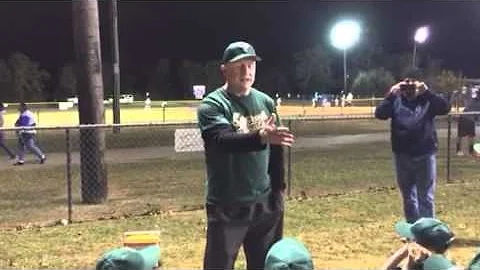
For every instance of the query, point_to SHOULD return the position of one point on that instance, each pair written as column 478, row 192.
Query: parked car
column 74, row 100
column 126, row 98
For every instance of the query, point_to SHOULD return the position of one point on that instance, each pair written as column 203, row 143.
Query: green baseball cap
column 429, row 232
column 239, row 50
column 437, row 262
column 288, row 254
column 127, row 258
column 474, row 263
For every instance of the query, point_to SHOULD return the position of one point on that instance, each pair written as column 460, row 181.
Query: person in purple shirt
column 26, row 137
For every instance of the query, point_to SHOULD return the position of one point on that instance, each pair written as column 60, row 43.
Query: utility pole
column 116, row 63
column 90, row 103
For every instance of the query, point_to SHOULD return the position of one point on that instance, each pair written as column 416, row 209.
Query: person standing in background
column 26, row 137
column 412, row 108
column 7, row 150
column 466, row 126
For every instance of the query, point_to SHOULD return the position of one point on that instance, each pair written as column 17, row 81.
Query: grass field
column 353, row 231
column 344, row 205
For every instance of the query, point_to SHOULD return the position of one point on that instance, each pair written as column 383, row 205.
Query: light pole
column 420, row 37
column 343, row 36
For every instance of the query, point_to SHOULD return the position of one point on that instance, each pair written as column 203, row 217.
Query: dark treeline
column 370, row 71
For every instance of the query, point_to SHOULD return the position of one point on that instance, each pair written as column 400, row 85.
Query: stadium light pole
column 421, row 35
column 343, row 36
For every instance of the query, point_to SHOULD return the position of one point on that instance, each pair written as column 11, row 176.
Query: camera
column 408, row 88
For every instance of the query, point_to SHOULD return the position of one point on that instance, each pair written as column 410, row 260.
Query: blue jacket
column 412, row 122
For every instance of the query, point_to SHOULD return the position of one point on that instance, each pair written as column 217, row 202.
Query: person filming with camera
column 412, row 108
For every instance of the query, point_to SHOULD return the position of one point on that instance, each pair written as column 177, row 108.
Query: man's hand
column 417, row 252
column 395, row 89
column 276, row 135
column 421, row 87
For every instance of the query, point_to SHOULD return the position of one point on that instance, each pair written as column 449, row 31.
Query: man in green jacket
column 244, row 158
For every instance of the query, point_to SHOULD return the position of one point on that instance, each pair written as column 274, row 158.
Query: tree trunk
column 90, row 100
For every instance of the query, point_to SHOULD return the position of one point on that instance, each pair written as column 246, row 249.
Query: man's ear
column 223, row 69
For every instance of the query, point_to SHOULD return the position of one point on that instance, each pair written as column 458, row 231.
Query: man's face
column 240, row 75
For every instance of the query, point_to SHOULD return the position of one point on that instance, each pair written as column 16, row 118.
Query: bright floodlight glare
column 344, row 34
column 421, row 34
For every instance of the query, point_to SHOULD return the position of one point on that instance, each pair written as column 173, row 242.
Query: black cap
column 239, row 50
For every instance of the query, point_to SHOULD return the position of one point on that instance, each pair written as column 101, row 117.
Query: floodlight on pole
column 421, row 35
column 343, row 36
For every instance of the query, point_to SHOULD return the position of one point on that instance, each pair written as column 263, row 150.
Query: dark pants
column 257, row 226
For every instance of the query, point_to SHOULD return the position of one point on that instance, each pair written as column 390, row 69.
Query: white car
column 74, row 100
column 126, row 98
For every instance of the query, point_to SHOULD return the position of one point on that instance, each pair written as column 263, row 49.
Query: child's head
column 23, row 107
column 288, row 254
column 431, row 233
column 127, row 258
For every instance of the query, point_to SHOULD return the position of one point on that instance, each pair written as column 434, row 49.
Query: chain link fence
column 101, row 172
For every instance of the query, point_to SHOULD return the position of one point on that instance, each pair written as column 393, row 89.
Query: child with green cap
column 428, row 239
column 288, row 254
column 127, row 258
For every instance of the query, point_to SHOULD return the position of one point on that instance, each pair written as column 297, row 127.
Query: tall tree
column 369, row 56
column 6, row 93
column 27, row 78
column 175, row 79
column 91, row 110
column 448, row 81
column 313, row 70
column 399, row 64
column 433, row 68
column 273, row 80
column 191, row 73
column 372, row 82
column 159, row 84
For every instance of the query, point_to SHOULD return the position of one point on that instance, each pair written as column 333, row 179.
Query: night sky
column 200, row 31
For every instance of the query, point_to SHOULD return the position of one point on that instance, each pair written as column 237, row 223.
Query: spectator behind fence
column 5, row 148
column 349, row 99
column 412, row 108
column 288, row 254
column 244, row 161
column 428, row 240
column 126, row 258
column 26, row 137
column 466, row 126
